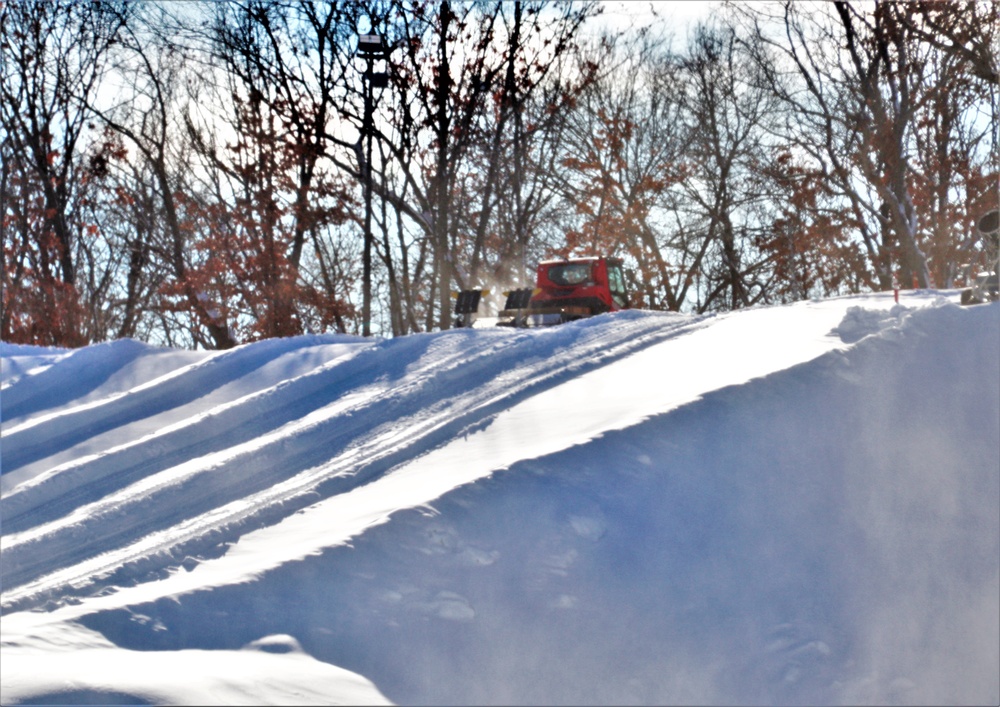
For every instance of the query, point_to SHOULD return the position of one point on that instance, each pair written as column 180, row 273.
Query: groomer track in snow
column 182, row 465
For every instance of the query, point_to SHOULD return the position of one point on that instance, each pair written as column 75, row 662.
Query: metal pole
column 366, row 304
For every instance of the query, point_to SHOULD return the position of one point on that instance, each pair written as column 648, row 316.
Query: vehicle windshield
column 571, row 274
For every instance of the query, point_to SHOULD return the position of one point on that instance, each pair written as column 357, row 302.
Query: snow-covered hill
column 785, row 505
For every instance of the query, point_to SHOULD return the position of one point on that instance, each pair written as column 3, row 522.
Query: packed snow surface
column 783, row 505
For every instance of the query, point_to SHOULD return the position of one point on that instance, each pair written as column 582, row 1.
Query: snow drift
column 785, row 505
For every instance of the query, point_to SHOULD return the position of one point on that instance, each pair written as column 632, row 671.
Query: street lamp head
column 371, row 45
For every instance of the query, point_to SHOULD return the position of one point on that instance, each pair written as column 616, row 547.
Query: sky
column 678, row 15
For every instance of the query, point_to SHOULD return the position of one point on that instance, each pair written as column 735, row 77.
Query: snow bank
column 787, row 505
column 270, row 670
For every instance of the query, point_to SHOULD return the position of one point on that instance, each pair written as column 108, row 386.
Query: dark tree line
column 194, row 174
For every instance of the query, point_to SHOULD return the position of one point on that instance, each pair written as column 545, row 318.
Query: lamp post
column 370, row 47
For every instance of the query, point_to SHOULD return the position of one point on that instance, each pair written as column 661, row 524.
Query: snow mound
column 785, row 505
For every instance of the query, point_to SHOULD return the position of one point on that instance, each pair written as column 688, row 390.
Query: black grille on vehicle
column 518, row 299
column 468, row 302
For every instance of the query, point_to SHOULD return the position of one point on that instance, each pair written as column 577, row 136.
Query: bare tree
column 953, row 163
column 148, row 120
column 453, row 125
column 887, row 75
column 860, row 84
column 663, row 165
column 625, row 151
column 969, row 32
column 730, row 115
column 54, row 57
column 280, row 68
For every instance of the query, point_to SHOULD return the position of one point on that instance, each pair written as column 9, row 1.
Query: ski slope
column 780, row 505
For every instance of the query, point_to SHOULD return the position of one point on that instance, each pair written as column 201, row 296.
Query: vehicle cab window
column 569, row 275
column 616, row 284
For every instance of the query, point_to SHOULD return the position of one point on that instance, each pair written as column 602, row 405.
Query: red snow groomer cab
column 566, row 290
